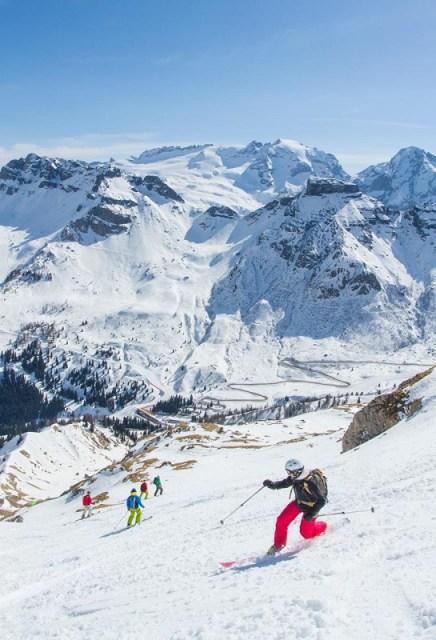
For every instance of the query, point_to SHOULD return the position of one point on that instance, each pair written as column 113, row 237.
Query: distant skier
column 144, row 491
column 134, row 505
column 310, row 489
column 87, row 505
column 158, row 484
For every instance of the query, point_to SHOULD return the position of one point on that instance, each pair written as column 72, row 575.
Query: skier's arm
column 140, row 503
column 280, row 484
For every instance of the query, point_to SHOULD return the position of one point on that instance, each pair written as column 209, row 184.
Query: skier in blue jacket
column 134, row 505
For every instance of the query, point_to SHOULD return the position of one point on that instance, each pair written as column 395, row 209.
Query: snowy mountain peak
column 159, row 154
column 407, row 179
column 285, row 165
column 44, row 195
column 260, row 169
column 252, row 147
column 412, row 152
column 25, row 169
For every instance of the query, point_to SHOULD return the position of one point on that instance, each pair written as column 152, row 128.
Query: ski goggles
column 293, row 474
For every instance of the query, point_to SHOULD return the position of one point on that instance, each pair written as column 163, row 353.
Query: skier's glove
column 308, row 517
column 268, row 483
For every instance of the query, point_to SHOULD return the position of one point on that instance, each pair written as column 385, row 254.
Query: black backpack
column 319, row 482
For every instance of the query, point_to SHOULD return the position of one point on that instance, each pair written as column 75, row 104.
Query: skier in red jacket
column 144, row 491
column 87, row 505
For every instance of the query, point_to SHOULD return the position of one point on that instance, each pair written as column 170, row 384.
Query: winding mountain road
column 333, row 381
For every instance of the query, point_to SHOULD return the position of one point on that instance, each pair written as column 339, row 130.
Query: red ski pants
column 308, row 528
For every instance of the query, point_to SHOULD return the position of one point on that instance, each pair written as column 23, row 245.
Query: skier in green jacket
column 158, row 484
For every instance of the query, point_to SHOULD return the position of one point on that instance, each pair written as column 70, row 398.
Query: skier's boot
column 274, row 549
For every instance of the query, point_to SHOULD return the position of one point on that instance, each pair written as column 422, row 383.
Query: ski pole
column 343, row 513
column 119, row 521
column 241, row 505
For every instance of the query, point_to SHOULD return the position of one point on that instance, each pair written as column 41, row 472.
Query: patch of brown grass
column 128, row 463
column 177, row 466
column 5, row 514
column 242, row 446
column 100, row 497
column 193, row 436
column 188, row 464
column 243, row 440
column 211, row 426
column 135, row 477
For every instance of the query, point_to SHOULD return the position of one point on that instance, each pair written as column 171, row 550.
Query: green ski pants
column 134, row 512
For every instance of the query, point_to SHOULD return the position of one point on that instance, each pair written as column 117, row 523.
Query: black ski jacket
column 308, row 492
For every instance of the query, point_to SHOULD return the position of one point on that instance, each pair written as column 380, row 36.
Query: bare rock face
column 320, row 187
column 382, row 413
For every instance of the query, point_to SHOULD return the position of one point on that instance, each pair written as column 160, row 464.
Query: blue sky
column 94, row 78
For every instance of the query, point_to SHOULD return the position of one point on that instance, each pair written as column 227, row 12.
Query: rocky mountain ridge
column 175, row 267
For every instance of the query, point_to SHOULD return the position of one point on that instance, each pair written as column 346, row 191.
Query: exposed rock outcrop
column 382, row 413
column 153, row 184
column 221, row 212
column 319, row 187
column 101, row 220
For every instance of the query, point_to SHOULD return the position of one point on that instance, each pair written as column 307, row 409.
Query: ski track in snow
column 370, row 576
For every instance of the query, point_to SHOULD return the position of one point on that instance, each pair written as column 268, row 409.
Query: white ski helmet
column 294, row 467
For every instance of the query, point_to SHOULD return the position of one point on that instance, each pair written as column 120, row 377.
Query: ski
column 67, row 524
column 132, row 526
column 259, row 561
column 265, row 560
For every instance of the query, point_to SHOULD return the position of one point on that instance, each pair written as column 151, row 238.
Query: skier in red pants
column 310, row 489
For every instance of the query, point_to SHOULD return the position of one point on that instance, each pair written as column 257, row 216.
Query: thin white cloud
column 86, row 147
column 375, row 122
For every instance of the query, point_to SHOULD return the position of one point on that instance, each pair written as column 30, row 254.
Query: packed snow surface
column 370, row 576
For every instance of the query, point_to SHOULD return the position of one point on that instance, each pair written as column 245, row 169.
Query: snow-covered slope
column 408, row 179
column 330, row 262
column 89, row 579
column 238, row 176
column 42, row 465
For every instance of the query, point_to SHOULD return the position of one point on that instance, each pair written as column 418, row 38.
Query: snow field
column 370, row 576
column 45, row 465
